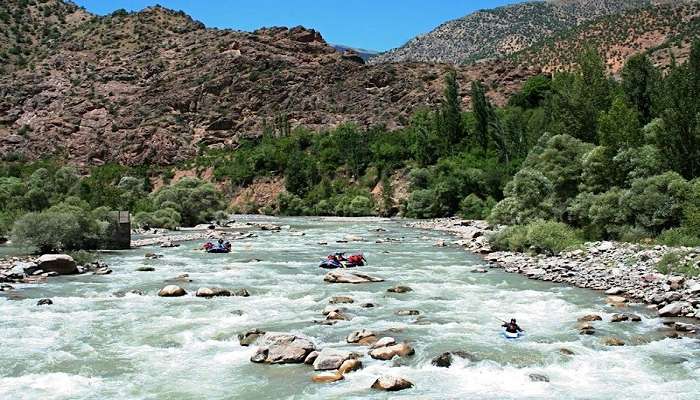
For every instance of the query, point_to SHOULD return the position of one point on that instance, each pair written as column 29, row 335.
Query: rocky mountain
column 363, row 53
column 156, row 86
column 664, row 31
column 505, row 30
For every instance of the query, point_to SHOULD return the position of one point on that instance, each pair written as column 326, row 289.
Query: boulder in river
column 538, row 378
column 445, row 359
column 391, row 384
column 350, row 365
column 44, row 302
column 354, row 278
column 327, row 377
column 383, row 342
column 341, row 300
column 212, row 292
column 311, row 357
column 329, row 359
column 404, row 313
column 61, row 264
column 282, row 348
column 338, row 316
column 389, row 352
column 613, row 341
column 145, row 269
column 399, row 289
column 172, row 291
column 241, row 292
column 357, row 336
column 590, row 318
column 250, row 337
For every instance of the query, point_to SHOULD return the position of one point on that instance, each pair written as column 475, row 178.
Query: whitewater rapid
column 93, row 344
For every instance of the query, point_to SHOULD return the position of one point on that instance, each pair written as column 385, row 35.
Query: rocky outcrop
column 212, row 292
column 153, row 87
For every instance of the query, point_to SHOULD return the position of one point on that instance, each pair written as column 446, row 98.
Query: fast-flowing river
column 91, row 344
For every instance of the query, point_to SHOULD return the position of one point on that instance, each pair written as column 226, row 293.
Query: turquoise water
column 92, row 344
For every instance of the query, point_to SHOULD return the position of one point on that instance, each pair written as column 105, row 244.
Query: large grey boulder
column 282, row 348
column 61, row 264
column 673, row 309
column 329, row 359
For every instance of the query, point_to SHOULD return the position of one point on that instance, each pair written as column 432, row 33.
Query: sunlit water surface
column 92, row 344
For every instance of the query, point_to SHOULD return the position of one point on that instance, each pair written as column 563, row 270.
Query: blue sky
column 371, row 24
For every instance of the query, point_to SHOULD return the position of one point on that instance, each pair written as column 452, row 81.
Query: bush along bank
column 666, row 278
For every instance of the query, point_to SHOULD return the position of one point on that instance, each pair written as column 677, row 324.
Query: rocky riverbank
column 625, row 272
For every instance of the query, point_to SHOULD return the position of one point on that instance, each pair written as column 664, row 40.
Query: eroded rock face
column 172, row 291
column 282, row 348
column 391, row 384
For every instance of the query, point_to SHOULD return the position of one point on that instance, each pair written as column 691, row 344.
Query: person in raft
column 512, row 327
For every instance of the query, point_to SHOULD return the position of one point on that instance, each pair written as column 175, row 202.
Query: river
column 91, row 344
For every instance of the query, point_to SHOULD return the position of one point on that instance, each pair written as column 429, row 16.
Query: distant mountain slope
column 505, row 30
column 362, row 53
column 156, row 86
column 659, row 30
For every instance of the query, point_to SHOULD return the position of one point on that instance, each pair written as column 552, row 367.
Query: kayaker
column 512, row 326
column 220, row 245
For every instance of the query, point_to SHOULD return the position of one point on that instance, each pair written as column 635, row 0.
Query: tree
column 640, row 81
column 480, row 106
column 619, row 127
column 451, row 111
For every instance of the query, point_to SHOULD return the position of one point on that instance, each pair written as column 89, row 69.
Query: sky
column 370, row 24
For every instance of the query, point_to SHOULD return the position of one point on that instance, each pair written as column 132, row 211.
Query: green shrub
column 421, row 204
column 165, row 218
column 196, row 201
column 547, row 237
column 58, row 229
column 473, row 207
column 83, row 257
column 679, row 237
column 679, row 263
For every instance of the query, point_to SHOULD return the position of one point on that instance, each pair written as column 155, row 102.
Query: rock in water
column 327, row 377
column 357, row 336
column 329, row 359
column 445, row 359
column 212, row 292
column 341, row 300
column 354, row 278
column 282, row 348
column 619, row 318
column 612, row 341
column 590, row 318
column 399, row 289
column 538, row 378
column 44, row 302
column 249, row 337
column 311, row 357
column 172, row 291
column 391, row 384
column 384, row 342
column 145, row 269
column 389, row 352
column 350, row 366
column 404, row 313
column 61, row 264
column 242, row 292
